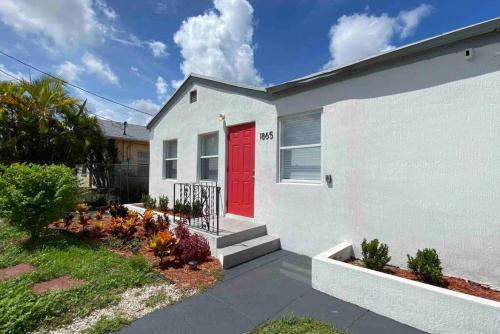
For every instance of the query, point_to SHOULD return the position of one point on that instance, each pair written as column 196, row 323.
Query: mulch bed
column 205, row 275
column 15, row 271
column 451, row 283
column 60, row 283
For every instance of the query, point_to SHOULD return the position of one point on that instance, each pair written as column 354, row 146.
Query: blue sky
column 137, row 52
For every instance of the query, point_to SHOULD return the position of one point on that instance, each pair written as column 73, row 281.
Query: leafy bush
column 375, row 255
column 83, row 216
column 148, row 222
column 163, row 244
column 182, row 231
column 148, row 201
column 184, row 208
column 118, row 210
column 190, row 246
column 194, row 247
column 426, row 265
column 163, row 203
column 197, row 208
column 33, row 196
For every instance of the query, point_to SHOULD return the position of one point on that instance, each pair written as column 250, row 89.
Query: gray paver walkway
column 267, row 287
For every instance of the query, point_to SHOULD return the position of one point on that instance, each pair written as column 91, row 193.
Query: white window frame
column 280, row 148
column 165, row 159
column 200, row 145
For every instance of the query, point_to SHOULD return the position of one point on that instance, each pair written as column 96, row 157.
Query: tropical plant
column 118, row 210
column 375, row 255
column 33, row 196
column 190, row 246
column 195, row 247
column 148, row 222
column 148, row 201
column 83, row 216
column 41, row 123
column 163, row 244
column 427, row 266
column 163, row 203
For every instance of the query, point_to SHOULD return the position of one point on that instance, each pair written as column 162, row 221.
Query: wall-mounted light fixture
column 222, row 117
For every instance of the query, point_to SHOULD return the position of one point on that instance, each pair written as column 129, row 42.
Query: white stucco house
column 403, row 146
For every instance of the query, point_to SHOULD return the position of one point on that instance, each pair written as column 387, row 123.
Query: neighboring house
column 402, row 146
column 131, row 141
column 132, row 145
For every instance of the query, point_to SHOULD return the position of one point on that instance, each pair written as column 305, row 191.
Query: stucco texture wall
column 412, row 148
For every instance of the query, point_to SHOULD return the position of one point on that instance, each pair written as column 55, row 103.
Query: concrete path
column 267, row 287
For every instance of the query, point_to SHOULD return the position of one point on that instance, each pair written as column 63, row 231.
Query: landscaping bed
column 97, row 229
column 449, row 282
column 394, row 294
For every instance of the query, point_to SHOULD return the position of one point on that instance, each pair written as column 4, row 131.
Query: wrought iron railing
column 198, row 205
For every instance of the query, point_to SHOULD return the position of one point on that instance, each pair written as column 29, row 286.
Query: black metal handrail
column 198, row 205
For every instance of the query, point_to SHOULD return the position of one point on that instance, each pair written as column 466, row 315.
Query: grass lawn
column 295, row 325
column 106, row 273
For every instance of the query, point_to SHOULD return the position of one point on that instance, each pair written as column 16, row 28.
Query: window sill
column 301, row 183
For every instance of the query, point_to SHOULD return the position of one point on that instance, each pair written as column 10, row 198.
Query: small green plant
column 375, row 255
column 197, row 209
column 163, row 203
column 157, row 299
column 118, row 210
column 148, row 201
column 184, row 208
column 33, row 196
column 427, row 266
column 108, row 324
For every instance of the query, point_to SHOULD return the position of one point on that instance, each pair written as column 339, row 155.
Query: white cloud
column 69, row 71
column 410, row 19
column 96, row 66
column 159, row 49
column 64, row 23
column 109, row 12
column 145, row 105
column 10, row 75
column 358, row 36
column 161, row 88
column 219, row 43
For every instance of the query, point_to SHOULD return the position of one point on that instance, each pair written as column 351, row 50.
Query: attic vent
column 193, row 96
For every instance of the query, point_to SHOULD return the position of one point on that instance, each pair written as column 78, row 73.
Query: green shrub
column 163, row 203
column 375, row 255
column 33, row 196
column 118, row 210
column 197, row 208
column 148, row 201
column 184, row 208
column 427, row 266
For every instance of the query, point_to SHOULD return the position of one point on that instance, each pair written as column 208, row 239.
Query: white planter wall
column 426, row 307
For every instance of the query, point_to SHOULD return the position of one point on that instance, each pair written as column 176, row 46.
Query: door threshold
column 238, row 217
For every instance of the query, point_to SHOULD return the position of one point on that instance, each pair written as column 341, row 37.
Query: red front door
column 240, row 169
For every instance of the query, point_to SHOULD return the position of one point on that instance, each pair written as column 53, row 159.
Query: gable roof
column 114, row 130
column 267, row 93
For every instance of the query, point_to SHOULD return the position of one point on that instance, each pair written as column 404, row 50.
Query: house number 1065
column 266, row 135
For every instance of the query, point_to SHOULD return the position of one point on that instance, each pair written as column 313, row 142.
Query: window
column 300, row 147
column 209, row 156
column 193, row 96
column 84, row 170
column 170, row 154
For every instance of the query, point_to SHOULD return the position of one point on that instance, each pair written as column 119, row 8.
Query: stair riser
column 239, row 237
column 248, row 254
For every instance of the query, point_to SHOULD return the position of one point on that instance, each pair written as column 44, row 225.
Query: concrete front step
column 233, row 255
column 257, row 230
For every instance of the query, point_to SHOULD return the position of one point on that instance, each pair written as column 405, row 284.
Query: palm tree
column 40, row 122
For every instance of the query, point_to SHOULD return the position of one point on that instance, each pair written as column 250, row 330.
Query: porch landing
column 239, row 240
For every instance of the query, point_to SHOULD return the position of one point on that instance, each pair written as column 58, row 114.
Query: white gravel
column 132, row 306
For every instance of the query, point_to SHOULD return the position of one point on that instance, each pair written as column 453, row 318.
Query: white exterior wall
column 414, row 151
